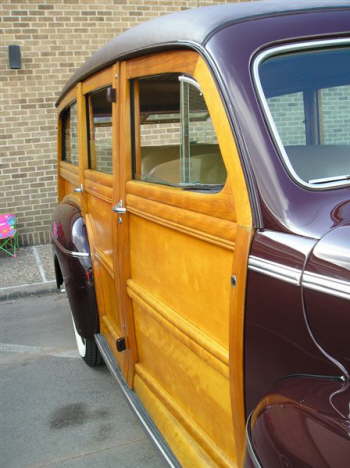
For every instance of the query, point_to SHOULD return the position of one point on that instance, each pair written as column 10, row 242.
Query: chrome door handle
column 79, row 189
column 119, row 208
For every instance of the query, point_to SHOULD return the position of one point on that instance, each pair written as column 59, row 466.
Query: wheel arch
column 73, row 266
column 302, row 422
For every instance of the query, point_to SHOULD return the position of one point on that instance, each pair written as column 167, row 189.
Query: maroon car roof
column 190, row 28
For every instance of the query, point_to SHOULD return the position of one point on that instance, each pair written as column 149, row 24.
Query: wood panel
column 188, row 451
column 218, row 205
column 123, row 162
column 166, row 62
column 99, row 191
column 244, row 233
column 214, row 230
column 68, row 179
column 236, row 327
column 193, row 337
column 68, row 176
column 82, row 139
column 189, row 275
column 102, row 261
column 190, row 388
column 183, row 249
column 198, row 449
column 235, row 176
column 68, row 99
column 98, row 80
column 101, row 219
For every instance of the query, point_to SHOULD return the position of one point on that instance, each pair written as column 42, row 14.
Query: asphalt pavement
column 55, row 410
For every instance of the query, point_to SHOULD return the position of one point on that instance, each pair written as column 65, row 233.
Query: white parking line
column 14, row 348
column 39, row 265
column 25, row 285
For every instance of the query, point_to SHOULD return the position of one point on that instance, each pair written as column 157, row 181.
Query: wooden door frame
column 92, row 179
column 186, row 61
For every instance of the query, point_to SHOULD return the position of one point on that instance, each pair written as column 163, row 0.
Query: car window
column 174, row 139
column 307, row 97
column 70, row 134
column 99, row 114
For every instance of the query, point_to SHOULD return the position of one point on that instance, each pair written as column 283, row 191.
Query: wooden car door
column 99, row 110
column 186, row 233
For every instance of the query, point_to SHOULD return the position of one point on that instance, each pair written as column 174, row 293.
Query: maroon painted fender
column 297, row 316
column 326, row 290
column 73, row 266
column 303, row 422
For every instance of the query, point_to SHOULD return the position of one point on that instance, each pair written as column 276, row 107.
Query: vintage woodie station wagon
column 203, row 229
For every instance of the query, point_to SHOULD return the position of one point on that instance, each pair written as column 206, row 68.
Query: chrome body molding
column 326, row 284
column 136, row 404
column 250, row 448
column 275, row 270
column 315, row 281
column 71, row 253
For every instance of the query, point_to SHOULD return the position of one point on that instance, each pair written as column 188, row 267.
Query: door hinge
column 120, row 344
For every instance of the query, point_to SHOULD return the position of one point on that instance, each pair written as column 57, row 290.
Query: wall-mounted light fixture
column 15, row 59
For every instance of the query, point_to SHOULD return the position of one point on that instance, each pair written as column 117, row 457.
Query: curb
column 25, row 290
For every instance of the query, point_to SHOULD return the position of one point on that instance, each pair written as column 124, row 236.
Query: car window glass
column 308, row 96
column 288, row 113
column 99, row 113
column 335, row 115
column 175, row 142
column 70, row 134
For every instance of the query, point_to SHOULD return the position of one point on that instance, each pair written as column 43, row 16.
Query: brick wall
column 334, row 108
column 56, row 36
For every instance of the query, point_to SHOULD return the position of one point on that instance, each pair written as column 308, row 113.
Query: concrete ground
column 55, row 410
column 30, row 272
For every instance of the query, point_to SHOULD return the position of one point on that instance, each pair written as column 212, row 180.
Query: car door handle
column 79, row 189
column 119, row 208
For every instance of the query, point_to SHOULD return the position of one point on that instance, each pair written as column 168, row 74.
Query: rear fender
column 73, row 266
column 304, row 422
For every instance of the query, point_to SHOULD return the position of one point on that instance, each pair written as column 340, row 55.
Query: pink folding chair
column 8, row 234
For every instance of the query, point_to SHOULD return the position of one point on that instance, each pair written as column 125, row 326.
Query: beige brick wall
column 56, row 36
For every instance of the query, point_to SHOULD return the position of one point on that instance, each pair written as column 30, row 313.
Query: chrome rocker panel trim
column 275, row 270
column 136, row 404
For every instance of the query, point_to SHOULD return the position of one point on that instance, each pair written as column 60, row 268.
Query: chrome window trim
column 326, row 284
column 189, row 80
column 275, row 270
column 263, row 101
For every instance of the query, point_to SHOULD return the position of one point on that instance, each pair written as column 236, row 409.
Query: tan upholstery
column 162, row 164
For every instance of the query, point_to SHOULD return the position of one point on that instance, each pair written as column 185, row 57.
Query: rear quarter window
column 69, row 125
column 306, row 96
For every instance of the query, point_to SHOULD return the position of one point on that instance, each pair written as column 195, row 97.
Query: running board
column 135, row 403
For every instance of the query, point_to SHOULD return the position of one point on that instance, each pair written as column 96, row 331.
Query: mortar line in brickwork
column 39, row 265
